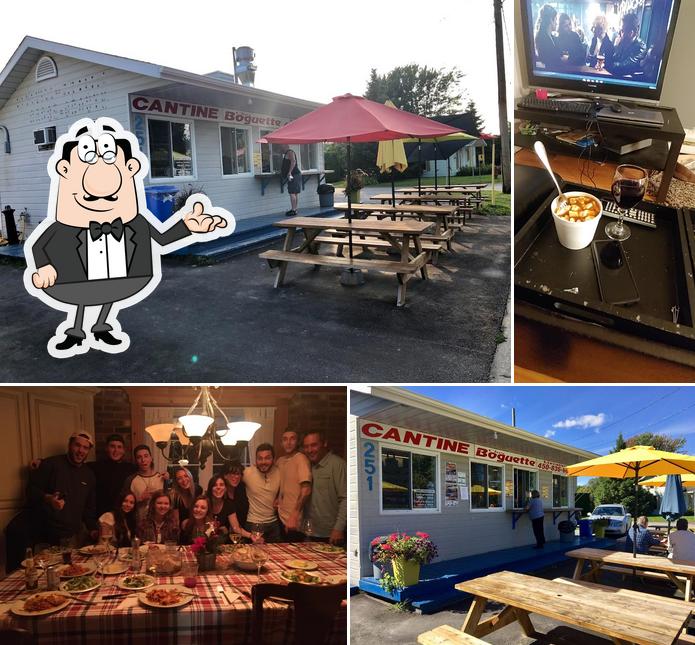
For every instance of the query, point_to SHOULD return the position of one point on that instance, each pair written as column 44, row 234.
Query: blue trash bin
column 585, row 528
column 160, row 201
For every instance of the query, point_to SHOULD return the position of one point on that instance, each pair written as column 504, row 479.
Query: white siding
column 456, row 530
column 86, row 90
column 353, row 508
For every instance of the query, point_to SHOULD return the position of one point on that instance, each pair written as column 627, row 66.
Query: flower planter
column 206, row 561
column 599, row 531
column 382, row 568
column 355, row 197
column 406, row 572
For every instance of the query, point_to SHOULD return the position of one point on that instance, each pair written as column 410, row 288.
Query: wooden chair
column 315, row 608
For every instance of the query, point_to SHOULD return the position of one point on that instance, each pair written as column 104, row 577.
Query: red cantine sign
column 416, row 439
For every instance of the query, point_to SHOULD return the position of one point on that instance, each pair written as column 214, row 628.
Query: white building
column 417, row 464
column 468, row 156
column 201, row 130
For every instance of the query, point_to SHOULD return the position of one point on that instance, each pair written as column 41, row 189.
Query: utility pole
column 502, row 102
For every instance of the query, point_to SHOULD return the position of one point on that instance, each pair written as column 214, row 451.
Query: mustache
column 93, row 198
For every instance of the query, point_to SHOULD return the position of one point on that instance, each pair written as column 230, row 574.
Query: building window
column 560, row 496
column 271, row 155
column 486, row 486
column 171, row 149
column 235, row 150
column 408, row 480
column 524, row 482
column 308, row 156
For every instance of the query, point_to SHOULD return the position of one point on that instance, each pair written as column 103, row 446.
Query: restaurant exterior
column 421, row 465
column 197, row 130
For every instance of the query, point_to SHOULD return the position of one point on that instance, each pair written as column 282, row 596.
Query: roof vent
column 46, row 69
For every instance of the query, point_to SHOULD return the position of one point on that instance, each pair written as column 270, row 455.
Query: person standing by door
column 292, row 174
column 537, row 515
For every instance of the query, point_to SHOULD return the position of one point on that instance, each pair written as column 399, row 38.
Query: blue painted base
column 250, row 233
column 436, row 587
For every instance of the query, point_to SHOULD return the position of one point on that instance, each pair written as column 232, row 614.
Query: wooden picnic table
column 441, row 215
column 461, row 201
column 680, row 573
column 625, row 618
column 401, row 235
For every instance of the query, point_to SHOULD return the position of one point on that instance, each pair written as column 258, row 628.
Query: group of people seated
column 300, row 495
column 680, row 544
column 562, row 45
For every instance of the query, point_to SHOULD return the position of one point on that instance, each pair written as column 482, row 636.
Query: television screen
column 616, row 47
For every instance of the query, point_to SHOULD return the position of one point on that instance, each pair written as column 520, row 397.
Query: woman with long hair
column 184, row 492
column 233, row 474
column 161, row 524
column 223, row 509
column 119, row 524
column 547, row 50
column 196, row 524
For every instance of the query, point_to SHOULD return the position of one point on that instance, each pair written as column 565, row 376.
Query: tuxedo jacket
column 65, row 247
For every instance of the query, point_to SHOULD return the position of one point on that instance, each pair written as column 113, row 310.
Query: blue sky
column 588, row 417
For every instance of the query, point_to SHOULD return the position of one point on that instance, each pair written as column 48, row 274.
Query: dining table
column 209, row 617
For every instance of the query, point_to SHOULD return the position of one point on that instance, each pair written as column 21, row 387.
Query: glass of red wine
column 629, row 185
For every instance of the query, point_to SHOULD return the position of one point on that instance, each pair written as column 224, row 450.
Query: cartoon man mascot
column 99, row 250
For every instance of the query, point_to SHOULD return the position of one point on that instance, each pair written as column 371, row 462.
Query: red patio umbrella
column 349, row 119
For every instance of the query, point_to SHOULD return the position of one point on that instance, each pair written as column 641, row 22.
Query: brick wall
column 112, row 414
column 317, row 411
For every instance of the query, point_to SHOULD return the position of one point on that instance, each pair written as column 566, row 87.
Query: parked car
column 619, row 520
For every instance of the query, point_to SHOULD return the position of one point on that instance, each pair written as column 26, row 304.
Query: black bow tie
column 114, row 228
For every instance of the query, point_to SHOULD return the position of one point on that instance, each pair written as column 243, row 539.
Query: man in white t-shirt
column 262, row 488
column 682, row 542
column 295, row 486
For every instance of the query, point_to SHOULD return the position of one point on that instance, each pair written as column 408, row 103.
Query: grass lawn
column 657, row 519
column 503, row 204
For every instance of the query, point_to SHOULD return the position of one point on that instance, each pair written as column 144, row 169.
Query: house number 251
column 369, row 462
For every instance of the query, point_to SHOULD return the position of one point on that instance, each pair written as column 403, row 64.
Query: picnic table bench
column 680, row 574
column 447, row 635
column 439, row 214
column 625, row 618
column 400, row 235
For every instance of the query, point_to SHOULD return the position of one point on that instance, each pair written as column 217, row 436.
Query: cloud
column 584, row 421
column 549, row 433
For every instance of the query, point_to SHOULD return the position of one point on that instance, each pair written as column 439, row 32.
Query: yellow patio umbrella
column 390, row 486
column 391, row 156
column 635, row 461
column 477, row 488
column 688, row 481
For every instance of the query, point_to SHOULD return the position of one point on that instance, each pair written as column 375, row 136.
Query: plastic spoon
column 539, row 149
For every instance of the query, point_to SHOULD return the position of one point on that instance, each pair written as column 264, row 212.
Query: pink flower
column 422, row 535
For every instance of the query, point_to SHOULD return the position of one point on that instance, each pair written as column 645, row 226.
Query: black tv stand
column 662, row 155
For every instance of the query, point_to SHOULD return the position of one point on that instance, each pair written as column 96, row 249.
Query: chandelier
column 195, row 437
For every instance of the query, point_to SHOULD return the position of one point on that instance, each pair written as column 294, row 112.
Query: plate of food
column 114, row 568
column 40, row 604
column 136, row 582
column 77, row 570
column 41, row 561
column 297, row 575
column 336, row 579
column 93, row 549
column 328, row 549
column 166, row 597
column 80, row 584
column 52, row 551
column 306, row 565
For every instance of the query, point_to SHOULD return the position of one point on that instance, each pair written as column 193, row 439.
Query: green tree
column 619, row 443
column 472, row 112
column 622, row 491
column 659, row 441
column 422, row 90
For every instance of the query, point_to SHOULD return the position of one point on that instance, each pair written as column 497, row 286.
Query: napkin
column 5, row 608
column 231, row 595
column 129, row 602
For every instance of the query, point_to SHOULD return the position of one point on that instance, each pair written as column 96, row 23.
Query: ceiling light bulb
column 195, row 425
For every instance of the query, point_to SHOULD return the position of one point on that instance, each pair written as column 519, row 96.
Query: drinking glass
column 307, row 528
column 256, row 532
column 189, row 571
column 629, row 185
column 259, row 554
column 236, row 539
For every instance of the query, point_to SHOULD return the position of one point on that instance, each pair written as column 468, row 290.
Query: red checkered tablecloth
column 208, row 618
